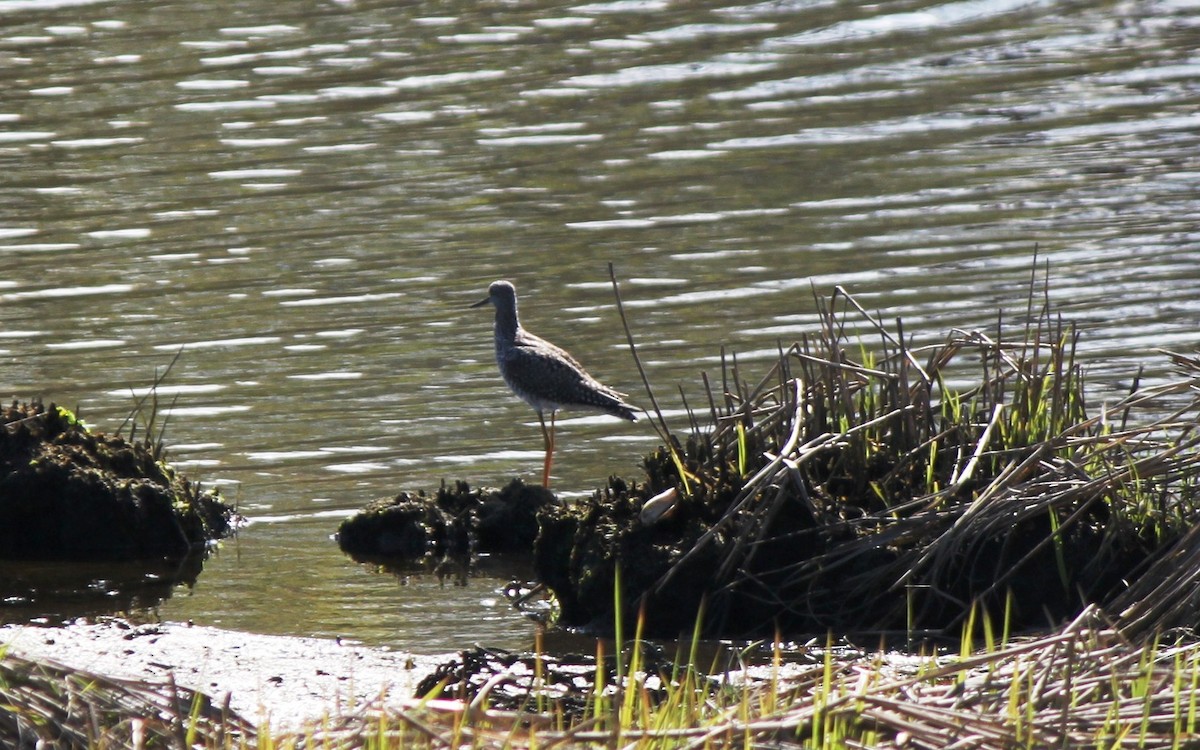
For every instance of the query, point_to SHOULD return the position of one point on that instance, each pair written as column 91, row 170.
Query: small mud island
column 938, row 543
column 448, row 527
column 957, row 541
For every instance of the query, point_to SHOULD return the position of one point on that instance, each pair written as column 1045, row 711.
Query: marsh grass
column 148, row 414
column 870, row 483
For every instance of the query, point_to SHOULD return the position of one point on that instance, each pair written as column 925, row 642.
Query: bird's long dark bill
column 482, row 302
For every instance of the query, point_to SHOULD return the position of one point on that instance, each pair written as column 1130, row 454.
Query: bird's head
column 501, row 294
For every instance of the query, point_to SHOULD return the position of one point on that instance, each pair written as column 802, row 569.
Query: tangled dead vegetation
column 869, row 484
column 1083, row 685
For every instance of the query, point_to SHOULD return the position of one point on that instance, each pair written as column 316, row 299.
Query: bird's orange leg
column 548, row 439
column 550, row 453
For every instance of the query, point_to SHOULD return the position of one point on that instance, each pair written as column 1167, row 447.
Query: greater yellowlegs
column 544, row 376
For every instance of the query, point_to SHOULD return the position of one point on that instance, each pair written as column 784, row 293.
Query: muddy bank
column 71, row 493
column 282, row 680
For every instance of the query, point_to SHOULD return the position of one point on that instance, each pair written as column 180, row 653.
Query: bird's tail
column 622, row 410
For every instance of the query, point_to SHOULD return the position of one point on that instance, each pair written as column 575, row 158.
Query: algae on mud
column 71, row 493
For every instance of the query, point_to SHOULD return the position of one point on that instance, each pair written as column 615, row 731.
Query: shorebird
column 543, row 375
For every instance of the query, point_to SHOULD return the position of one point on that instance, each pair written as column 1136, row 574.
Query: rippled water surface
column 304, row 198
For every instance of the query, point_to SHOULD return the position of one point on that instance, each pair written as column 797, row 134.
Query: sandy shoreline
column 282, row 680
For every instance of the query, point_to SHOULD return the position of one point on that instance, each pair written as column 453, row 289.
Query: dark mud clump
column 70, row 493
column 452, row 525
column 583, row 549
column 515, row 681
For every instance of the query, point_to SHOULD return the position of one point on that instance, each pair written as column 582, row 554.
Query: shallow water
column 303, row 198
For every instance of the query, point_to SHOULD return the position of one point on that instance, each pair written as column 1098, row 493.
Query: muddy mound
column 583, row 548
column 70, row 493
column 453, row 524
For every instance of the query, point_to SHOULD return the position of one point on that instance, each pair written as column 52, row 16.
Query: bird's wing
column 545, row 363
column 540, row 372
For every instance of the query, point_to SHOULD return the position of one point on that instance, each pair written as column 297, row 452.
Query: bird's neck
column 506, row 324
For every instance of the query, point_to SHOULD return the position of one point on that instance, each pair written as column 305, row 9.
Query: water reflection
column 58, row 592
column 304, row 197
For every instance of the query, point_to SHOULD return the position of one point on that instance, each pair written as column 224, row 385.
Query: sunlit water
column 305, row 197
